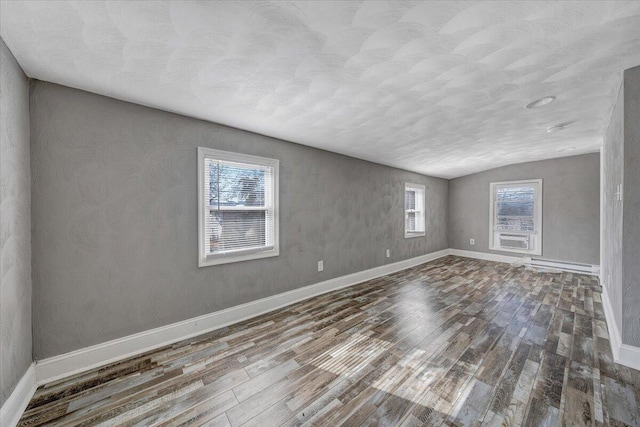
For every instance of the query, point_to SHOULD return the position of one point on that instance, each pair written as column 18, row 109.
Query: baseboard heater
column 562, row 265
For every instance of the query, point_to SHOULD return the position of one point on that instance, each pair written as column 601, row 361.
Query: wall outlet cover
column 472, row 242
column 320, row 265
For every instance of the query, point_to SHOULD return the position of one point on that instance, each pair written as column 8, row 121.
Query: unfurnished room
column 319, row 213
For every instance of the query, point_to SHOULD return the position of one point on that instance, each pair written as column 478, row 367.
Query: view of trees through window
column 515, row 208
column 237, row 215
column 234, row 185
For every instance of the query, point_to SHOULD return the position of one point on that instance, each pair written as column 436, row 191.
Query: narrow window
column 414, row 210
column 238, row 207
column 516, row 216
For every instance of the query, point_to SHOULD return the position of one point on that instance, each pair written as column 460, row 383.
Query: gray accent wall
column 571, row 207
column 115, row 219
column 621, row 224
column 15, row 223
column 612, row 175
column 631, row 207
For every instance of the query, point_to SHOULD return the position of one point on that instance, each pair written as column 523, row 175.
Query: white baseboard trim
column 629, row 355
column 623, row 354
column 17, row 402
column 57, row 367
column 486, row 256
column 64, row 365
column 527, row 261
column 612, row 326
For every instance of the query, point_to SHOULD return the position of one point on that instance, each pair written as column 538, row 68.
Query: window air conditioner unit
column 514, row 241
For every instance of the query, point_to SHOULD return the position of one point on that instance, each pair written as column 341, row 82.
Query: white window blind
column 516, row 216
column 238, row 207
column 414, row 210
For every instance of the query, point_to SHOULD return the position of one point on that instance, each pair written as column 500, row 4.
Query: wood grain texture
column 455, row 342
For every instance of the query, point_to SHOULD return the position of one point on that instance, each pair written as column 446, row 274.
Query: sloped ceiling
column 433, row 87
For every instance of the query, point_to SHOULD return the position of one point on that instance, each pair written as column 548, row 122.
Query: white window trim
column 537, row 250
column 412, row 234
column 241, row 254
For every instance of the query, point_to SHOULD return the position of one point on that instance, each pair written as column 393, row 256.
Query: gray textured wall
column 115, row 224
column 612, row 168
column 15, row 223
column 571, row 207
column 631, row 206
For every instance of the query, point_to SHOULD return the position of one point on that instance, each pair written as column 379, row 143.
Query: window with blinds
column 414, row 210
column 238, row 207
column 516, row 216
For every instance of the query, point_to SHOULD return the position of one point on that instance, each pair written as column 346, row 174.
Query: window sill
column 227, row 259
column 412, row 235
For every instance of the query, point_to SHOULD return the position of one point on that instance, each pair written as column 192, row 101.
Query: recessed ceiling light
column 540, row 102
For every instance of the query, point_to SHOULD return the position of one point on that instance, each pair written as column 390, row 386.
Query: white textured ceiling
column 432, row 87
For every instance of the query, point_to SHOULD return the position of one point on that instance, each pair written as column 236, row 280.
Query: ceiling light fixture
column 540, row 102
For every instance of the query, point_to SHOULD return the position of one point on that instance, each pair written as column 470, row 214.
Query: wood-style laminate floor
column 451, row 342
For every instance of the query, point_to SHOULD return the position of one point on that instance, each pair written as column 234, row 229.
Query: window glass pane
column 410, row 199
column 410, row 224
column 235, row 184
column 515, row 208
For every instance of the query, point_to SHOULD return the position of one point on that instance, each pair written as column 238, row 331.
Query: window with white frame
column 237, row 207
column 516, row 216
column 414, row 210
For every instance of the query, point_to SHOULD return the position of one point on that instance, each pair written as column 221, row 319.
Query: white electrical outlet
column 472, row 242
column 320, row 265
column 388, row 253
